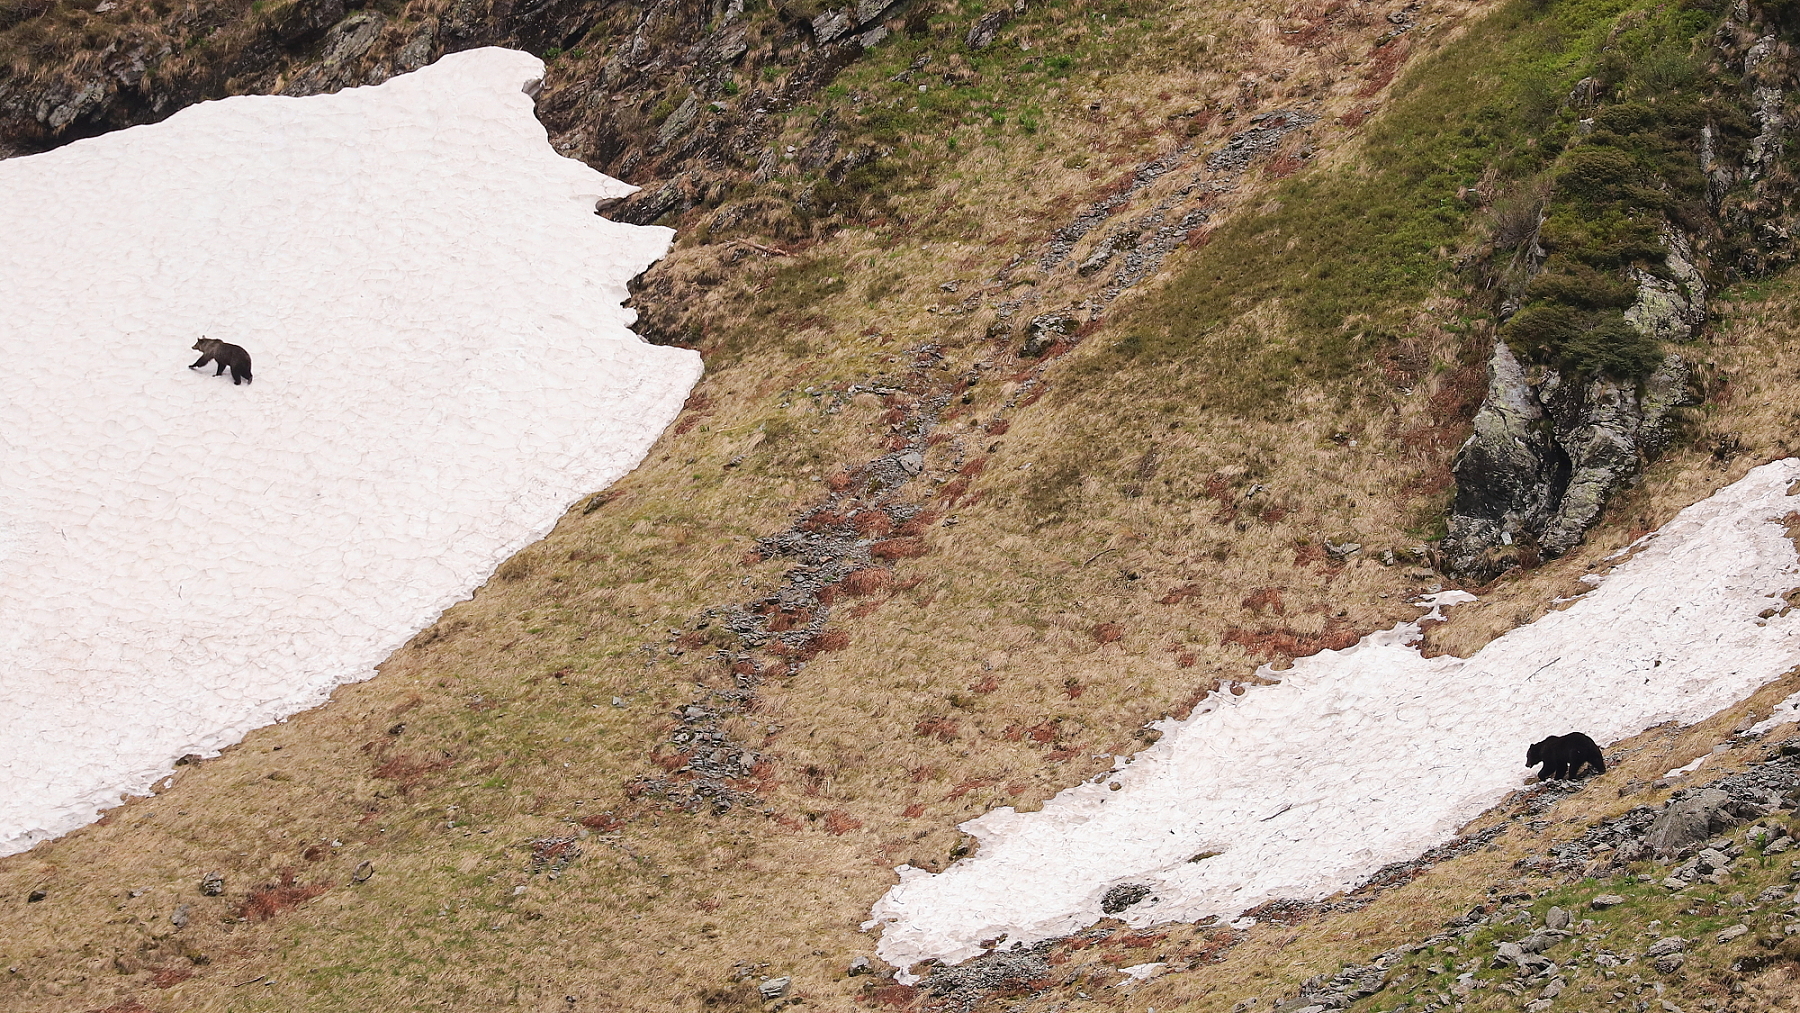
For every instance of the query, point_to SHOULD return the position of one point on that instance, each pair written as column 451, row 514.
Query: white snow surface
column 1372, row 754
column 442, row 365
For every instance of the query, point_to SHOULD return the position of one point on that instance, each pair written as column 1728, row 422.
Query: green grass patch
column 1343, row 258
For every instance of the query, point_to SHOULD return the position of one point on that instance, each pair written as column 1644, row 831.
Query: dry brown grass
column 1079, row 595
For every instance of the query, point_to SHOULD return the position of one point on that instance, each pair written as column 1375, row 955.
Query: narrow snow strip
column 1370, row 755
column 1687, row 768
column 442, row 365
column 1785, row 712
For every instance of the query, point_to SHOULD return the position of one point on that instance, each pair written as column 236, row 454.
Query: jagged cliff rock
column 1549, row 449
column 1591, row 404
column 1546, row 455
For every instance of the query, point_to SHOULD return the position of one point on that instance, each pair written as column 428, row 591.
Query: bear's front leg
column 201, row 361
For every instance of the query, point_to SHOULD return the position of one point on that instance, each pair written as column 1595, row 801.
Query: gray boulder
column 1689, row 822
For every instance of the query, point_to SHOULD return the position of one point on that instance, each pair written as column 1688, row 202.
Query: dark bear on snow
column 226, row 355
column 1563, row 756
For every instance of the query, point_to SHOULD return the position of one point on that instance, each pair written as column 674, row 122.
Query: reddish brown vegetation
column 987, row 684
column 1311, row 553
column 822, row 521
column 1265, row 598
column 943, row 728
column 898, row 548
column 169, row 977
column 873, row 523
column 1285, row 643
column 970, row 785
column 407, row 770
column 865, row 582
column 918, row 523
column 1177, row 595
column 270, row 899
column 1219, row 488
column 914, row 811
column 692, row 413
column 1283, row 166
column 1386, row 64
column 824, row 643
column 837, row 821
column 602, row 822
column 1108, row 633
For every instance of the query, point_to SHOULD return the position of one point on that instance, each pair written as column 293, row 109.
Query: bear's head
column 1535, row 755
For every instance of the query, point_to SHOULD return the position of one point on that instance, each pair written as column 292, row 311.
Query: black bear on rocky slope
column 1563, row 756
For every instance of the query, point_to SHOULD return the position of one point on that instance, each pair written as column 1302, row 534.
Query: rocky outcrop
column 1546, row 455
column 1549, row 450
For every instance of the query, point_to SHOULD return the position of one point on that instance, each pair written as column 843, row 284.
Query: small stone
column 34, row 896
column 1556, row 919
column 180, row 918
column 912, row 463
column 1541, row 940
column 860, row 965
column 1669, row 963
column 774, row 988
column 1772, row 894
column 1665, row 946
column 1538, row 1005
column 212, row 884
column 1779, row 845
column 1675, row 884
column 616, row 702
column 1603, row 901
column 1508, row 955
column 1732, row 933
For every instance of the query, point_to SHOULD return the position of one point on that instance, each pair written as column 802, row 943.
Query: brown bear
column 1563, row 756
column 225, row 354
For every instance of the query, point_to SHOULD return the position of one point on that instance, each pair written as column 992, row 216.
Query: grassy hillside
column 679, row 745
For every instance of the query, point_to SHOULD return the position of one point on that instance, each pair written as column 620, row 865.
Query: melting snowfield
column 442, row 365
column 1370, row 755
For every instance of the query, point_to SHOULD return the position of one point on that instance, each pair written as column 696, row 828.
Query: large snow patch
column 1372, row 754
column 442, row 365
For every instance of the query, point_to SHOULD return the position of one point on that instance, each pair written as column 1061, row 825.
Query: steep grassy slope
column 657, row 759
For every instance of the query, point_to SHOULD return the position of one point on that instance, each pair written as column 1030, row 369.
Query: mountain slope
column 729, row 694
